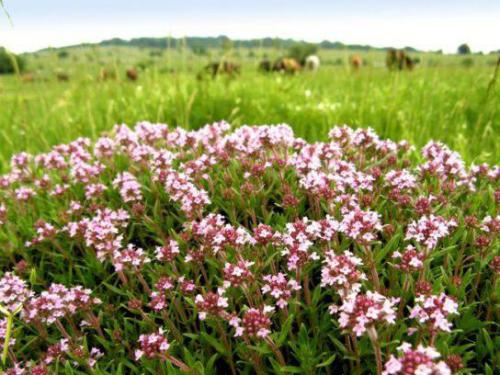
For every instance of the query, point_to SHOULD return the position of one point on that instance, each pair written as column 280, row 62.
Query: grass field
column 442, row 99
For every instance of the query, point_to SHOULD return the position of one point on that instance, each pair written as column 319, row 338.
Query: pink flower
column 24, row 194
column 129, row 187
column 280, row 288
column 168, row 252
column 410, row 260
column 3, row 333
column 213, row 304
column 263, row 234
column 433, row 310
column 419, row 361
column 13, row 292
column 491, row 225
column 152, row 345
column 133, row 257
column 94, row 190
column 360, row 225
column 3, row 214
column 159, row 296
column 428, row 230
column 401, row 179
column 256, row 323
column 342, row 272
column 362, row 311
column 182, row 190
column 104, row 148
column 214, row 234
column 58, row 302
column 237, row 274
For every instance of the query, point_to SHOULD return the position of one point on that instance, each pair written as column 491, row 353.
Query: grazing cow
column 399, row 60
column 106, row 74
column 223, row 67
column 28, row 77
column 355, row 61
column 286, row 65
column 312, row 63
column 132, row 74
column 62, row 76
column 391, row 59
column 265, row 65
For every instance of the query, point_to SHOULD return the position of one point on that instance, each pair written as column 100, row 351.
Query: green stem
column 8, row 333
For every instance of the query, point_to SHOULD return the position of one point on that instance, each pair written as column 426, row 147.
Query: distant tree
column 227, row 44
column 463, row 49
column 9, row 62
column 63, row 54
column 300, row 51
column 199, row 49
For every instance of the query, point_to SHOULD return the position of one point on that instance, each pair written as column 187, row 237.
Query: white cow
column 312, row 63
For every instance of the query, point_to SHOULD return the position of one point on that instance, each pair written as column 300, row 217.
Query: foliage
column 463, row 49
column 160, row 250
column 300, row 51
column 205, row 43
column 9, row 62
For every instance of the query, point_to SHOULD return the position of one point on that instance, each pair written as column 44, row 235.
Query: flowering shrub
column 156, row 250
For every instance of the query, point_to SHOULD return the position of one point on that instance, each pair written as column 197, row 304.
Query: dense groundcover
column 157, row 250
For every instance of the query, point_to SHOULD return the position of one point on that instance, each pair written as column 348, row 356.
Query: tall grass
column 448, row 102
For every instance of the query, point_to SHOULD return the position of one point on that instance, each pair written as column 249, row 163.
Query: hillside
column 199, row 43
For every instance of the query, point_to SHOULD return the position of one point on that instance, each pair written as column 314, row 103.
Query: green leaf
column 291, row 369
column 328, row 362
column 214, row 343
column 285, row 329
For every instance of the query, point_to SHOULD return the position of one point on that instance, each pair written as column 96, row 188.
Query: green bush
column 9, row 62
column 300, row 51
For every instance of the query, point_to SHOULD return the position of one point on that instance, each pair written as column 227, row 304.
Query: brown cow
column 62, row 76
column 356, row 61
column 132, row 74
column 28, row 77
column 266, row 65
column 223, row 67
column 286, row 65
column 399, row 60
column 106, row 74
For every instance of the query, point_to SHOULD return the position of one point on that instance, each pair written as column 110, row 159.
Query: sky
column 426, row 25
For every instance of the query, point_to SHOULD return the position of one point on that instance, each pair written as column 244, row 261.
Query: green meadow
column 450, row 98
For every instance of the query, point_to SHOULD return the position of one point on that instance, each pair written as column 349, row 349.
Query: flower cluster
column 213, row 304
column 410, row 260
column 152, row 345
column 167, row 252
column 342, row 272
column 129, row 187
column 361, row 225
column 241, row 240
column 255, row 323
column 433, row 310
column 428, row 230
column 13, row 292
column 58, row 302
column 280, row 288
column 359, row 312
column 237, row 274
column 422, row 360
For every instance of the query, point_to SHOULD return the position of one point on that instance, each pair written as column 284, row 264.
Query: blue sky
column 426, row 25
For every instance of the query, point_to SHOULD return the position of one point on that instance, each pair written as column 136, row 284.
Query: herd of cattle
column 395, row 60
